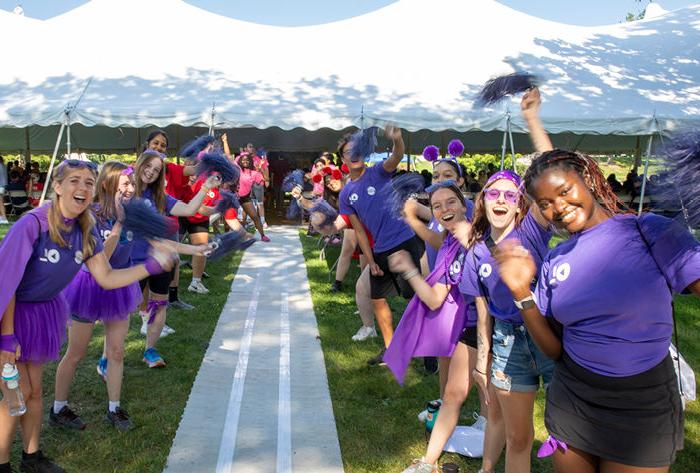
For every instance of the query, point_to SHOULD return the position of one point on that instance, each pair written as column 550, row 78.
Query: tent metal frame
column 507, row 134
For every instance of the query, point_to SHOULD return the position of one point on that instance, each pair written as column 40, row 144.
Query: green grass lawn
column 154, row 398
column 376, row 418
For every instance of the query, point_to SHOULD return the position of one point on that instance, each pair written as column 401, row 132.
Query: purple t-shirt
column 612, row 296
column 433, row 225
column 366, row 197
column 455, row 272
column 481, row 276
column 121, row 257
column 49, row 267
column 139, row 250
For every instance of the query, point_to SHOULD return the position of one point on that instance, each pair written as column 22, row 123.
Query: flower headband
column 455, row 149
column 128, row 171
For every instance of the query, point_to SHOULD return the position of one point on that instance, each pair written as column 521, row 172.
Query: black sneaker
column 377, row 360
column 38, row 463
column 337, row 286
column 6, row 468
column 180, row 304
column 119, row 419
column 66, row 418
column 430, row 363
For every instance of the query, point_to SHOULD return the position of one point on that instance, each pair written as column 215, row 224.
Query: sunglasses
column 441, row 185
column 510, row 196
column 77, row 163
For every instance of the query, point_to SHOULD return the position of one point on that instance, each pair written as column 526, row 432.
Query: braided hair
column 587, row 169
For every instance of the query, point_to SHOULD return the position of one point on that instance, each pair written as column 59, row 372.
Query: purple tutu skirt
column 40, row 328
column 89, row 301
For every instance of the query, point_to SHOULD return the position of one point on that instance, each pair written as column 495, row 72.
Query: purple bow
column 153, row 307
column 128, row 171
column 550, row 446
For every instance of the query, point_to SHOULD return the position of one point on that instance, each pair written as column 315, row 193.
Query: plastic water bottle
column 433, row 409
column 12, row 394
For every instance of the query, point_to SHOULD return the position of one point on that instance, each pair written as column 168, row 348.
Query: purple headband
column 128, row 171
column 152, row 152
column 505, row 174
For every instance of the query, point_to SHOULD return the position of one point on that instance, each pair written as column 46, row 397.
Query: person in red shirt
column 197, row 226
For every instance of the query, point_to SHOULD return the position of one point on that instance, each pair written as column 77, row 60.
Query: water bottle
column 12, row 393
column 432, row 408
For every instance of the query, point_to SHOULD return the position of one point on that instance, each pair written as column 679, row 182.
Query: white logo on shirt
column 211, row 194
column 78, row 258
column 52, row 256
column 129, row 235
column 353, row 198
column 456, row 267
column 561, row 273
column 485, row 270
column 106, row 234
column 371, row 190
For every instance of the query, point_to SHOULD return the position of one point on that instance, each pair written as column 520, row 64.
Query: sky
column 310, row 12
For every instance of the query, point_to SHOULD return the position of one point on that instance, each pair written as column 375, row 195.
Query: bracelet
column 479, row 371
column 409, row 274
column 152, row 266
column 8, row 343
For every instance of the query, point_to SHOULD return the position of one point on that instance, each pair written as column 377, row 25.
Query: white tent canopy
column 419, row 64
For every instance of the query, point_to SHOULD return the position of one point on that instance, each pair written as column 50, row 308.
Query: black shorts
column 158, row 284
column 189, row 228
column 468, row 337
column 244, row 199
column 383, row 286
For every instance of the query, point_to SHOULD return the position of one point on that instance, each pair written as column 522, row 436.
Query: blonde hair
column 86, row 220
column 157, row 186
column 106, row 187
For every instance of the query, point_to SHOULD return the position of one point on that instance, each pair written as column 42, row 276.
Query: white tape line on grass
column 284, row 410
column 228, row 437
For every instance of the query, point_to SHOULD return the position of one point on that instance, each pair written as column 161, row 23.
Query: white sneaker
column 164, row 333
column 364, row 333
column 198, row 287
column 480, row 423
column 4, row 221
column 144, row 325
column 423, row 415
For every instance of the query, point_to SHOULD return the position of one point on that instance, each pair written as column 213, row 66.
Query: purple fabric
column 609, row 294
column 425, row 332
column 505, row 174
column 481, row 274
column 121, row 257
column 8, row 343
column 40, row 268
column 153, row 266
column 550, row 446
column 366, row 198
column 89, row 301
column 433, row 225
column 140, row 248
column 153, row 307
column 40, row 328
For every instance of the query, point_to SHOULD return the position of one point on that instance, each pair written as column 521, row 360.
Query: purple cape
column 16, row 249
column 425, row 332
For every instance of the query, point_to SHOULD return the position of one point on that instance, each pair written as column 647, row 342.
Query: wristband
column 479, row 371
column 152, row 266
column 8, row 343
column 409, row 274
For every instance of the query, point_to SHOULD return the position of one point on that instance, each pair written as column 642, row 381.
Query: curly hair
column 587, row 169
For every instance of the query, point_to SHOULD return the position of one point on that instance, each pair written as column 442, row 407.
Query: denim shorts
column 517, row 362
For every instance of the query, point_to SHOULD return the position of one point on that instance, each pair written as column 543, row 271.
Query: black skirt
column 634, row 420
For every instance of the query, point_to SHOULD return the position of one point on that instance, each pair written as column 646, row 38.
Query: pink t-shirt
column 246, row 181
column 260, row 163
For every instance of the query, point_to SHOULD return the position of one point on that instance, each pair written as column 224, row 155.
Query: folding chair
column 19, row 201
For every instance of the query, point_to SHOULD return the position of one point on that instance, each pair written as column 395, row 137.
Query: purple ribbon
column 550, row 446
column 153, row 307
column 128, row 171
column 8, row 343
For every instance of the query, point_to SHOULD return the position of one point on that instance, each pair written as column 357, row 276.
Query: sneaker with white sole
column 480, row 422
column 420, row 466
column 102, row 368
column 423, row 415
column 364, row 333
column 153, row 359
column 198, row 288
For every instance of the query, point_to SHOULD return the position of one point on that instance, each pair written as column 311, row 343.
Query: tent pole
column 503, row 150
column 644, row 179
column 28, row 151
column 68, row 133
column 510, row 135
column 53, row 159
column 211, row 123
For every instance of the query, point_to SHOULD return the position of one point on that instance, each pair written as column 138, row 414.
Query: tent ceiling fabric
column 625, row 79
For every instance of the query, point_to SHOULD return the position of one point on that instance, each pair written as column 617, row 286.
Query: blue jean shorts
column 517, row 363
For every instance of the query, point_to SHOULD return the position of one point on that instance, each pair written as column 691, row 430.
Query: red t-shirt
column 349, row 224
column 210, row 200
column 176, row 183
column 231, row 214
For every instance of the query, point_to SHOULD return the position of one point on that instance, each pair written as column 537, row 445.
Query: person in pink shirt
column 249, row 177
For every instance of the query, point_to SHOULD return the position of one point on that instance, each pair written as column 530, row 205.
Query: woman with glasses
column 46, row 248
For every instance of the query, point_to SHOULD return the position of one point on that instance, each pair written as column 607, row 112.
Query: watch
column 525, row 303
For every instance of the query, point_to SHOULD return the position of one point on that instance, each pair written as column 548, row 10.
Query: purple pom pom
column 227, row 243
column 215, row 162
column 431, row 153
column 293, row 211
column 497, row 89
column 292, row 180
column 362, row 143
column 196, row 146
column 143, row 220
column 404, row 187
column 455, row 148
column 228, row 200
column 682, row 158
column 326, row 210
